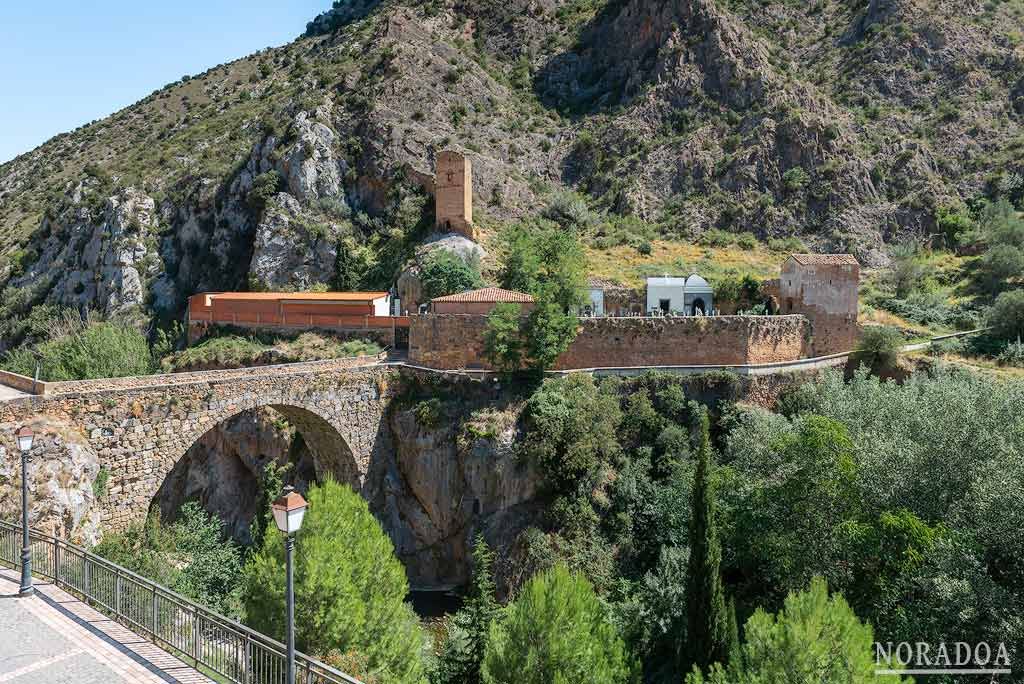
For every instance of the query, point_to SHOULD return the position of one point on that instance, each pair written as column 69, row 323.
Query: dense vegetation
column 669, row 534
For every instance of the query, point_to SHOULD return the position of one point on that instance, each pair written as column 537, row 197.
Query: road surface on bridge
column 53, row 638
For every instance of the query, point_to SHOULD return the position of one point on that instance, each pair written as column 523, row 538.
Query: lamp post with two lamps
column 25, row 437
column 289, row 509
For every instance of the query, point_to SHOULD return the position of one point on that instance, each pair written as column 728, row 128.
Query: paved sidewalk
column 53, row 638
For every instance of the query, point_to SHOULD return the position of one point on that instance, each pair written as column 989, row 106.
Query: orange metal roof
column 307, row 296
column 829, row 259
column 487, row 295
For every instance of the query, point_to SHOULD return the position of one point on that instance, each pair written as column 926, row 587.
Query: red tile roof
column 825, row 259
column 487, row 295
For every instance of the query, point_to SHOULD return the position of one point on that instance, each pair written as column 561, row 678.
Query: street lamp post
column 25, row 437
column 289, row 510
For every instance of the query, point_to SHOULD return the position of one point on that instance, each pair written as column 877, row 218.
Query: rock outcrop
column 447, row 484
column 64, row 480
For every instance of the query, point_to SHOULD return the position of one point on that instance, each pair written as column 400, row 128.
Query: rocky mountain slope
column 848, row 122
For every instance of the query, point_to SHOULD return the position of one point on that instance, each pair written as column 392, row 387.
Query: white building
column 595, row 299
column 679, row 296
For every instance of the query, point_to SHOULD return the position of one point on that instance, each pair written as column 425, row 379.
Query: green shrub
column 1012, row 355
column 570, row 430
column 191, row 556
column 747, row 241
column 795, row 179
column 950, row 345
column 264, row 187
column 556, row 631
column 814, row 638
column 349, row 588
column 570, row 209
column 1000, row 264
column 715, row 237
column 97, row 350
column 879, row 348
column 446, row 273
column 1006, row 317
column 429, row 413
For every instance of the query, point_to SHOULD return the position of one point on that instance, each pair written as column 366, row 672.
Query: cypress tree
column 707, row 621
column 462, row 652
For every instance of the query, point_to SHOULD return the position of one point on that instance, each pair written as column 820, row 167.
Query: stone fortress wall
column 453, row 341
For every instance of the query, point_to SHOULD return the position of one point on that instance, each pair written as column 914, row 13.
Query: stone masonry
column 825, row 288
column 138, row 430
column 453, row 194
column 451, row 341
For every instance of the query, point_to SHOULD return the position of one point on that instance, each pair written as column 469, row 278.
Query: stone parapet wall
column 686, row 341
column 176, row 379
column 447, row 341
column 452, row 341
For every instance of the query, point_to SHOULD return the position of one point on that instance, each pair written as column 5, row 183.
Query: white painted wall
column 665, row 288
column 596, row 296
column 382, row 306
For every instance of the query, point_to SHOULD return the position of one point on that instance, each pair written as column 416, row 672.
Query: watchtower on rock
column 453, row 194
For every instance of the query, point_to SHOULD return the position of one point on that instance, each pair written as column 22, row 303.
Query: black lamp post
column 25, row 437
column 289, row 510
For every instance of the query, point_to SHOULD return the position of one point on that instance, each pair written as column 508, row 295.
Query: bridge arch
column 221, row 469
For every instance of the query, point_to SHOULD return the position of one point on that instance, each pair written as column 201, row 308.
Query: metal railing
column 214, row 643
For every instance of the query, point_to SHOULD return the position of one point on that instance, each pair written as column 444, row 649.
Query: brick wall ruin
column 453, row 194
column 452, row 341
column 827, row 293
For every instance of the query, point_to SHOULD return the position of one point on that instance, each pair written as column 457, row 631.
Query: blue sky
column 67, row 62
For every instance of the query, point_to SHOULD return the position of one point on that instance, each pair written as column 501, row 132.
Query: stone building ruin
column 453, row 194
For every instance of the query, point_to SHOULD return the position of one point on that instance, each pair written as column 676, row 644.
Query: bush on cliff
column 94, row 350
column 349, row 588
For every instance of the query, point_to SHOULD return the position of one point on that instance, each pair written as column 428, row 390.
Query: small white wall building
column 679, row 296
column 595, row 298
column 665, row 294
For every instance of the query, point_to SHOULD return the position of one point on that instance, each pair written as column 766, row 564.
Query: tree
column 503, row 337
column 465, row 644
column 1006, row 317
column 707, row 638
column 545, row 261
column 570, row 430
column 271, row 485
column 556, row 631
column 445, row 273
column 879, row 348
column 349, row 588
column 815, row 638
column 1000, row 264
column 549, row 331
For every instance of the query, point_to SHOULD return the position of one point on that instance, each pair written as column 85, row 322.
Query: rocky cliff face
column 63, row 472
column 848, row 123
column 447, row 483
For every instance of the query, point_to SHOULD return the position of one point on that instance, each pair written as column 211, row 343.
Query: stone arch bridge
column 141, row 427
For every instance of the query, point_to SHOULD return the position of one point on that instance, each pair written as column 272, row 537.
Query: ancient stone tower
column 453, row 194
